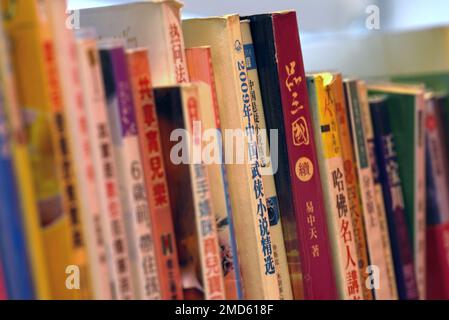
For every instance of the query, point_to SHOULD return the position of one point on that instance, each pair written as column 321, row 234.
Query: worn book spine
column 111, row 218
column 334, row 186
column 133, row 190
column 155, row 25
column 277, row 236
column 378, row 249
column 199, row 61
column 3, row 294
column 155, row 175
column 353, row 185
column 286, row 108
column 394, row 201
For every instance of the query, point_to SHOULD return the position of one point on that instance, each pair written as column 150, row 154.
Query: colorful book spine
column 51, row 160
column 377, row 238
column 223, row 35
column 286, row 108
column 199, row 61
column 154, row 24
column 79, row 141
column 155, row 176
column 19, row 151
column 13, row 249
column 277, row 236
column 188, row 183
column 437, row 201
column 105, row 168
column 133, row 191
column 394, row 201
column 334, row 185
column 352, row 184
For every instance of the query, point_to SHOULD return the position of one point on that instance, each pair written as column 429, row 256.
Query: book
column 352, row 184
column 248, row 202
column 331, row 166
column 199, row 62
column 79, row 141
column 277, row 236
column 437, row 198
column 13, row 249
column 386, row 155
column 286, row 108
column 406, row 114
column 18, row 144
column 155, row 176
column 154, row 24
column 131, row 180
column 373, row 211
column 3, row 295
column 33, row 55
column 189, row 189
column 111, row 218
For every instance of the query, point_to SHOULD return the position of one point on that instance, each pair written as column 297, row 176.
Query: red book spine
column 438, row 262
column 2, row 285
column 168, row 269
column 315, row 251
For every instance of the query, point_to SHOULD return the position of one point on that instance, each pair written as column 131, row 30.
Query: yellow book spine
column 23, row 174
column 336, row 196
column 40, row 97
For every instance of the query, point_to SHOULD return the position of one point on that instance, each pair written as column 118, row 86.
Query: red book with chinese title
column 189, row 189
column 155, row 176
column 286, row 106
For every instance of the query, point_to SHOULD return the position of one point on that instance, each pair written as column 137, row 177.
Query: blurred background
column 342, row 35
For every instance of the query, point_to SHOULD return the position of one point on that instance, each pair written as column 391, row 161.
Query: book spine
column 13, row 249
column 155, row 177
column 437, row 174
column 378, row 195
column 130, row 172
column 199, row 61
column 383, row 290
column 394, row 201
column 40, row 96
column 22, row 170
column 302, row 152
column 420, row 196
column 79, row 142
column 175, row 52
column 111, row 218
column 277, row 236
column 353, row 185
column 334, row 188
column 3, row 295
column 266, row 269
column 212, row 274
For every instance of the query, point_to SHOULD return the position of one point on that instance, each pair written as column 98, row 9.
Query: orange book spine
column 150, row 141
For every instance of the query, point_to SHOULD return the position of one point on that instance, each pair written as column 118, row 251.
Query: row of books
column 145, row 157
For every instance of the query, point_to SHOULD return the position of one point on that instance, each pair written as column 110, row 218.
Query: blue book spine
column 394, row 200
column 13, row 249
